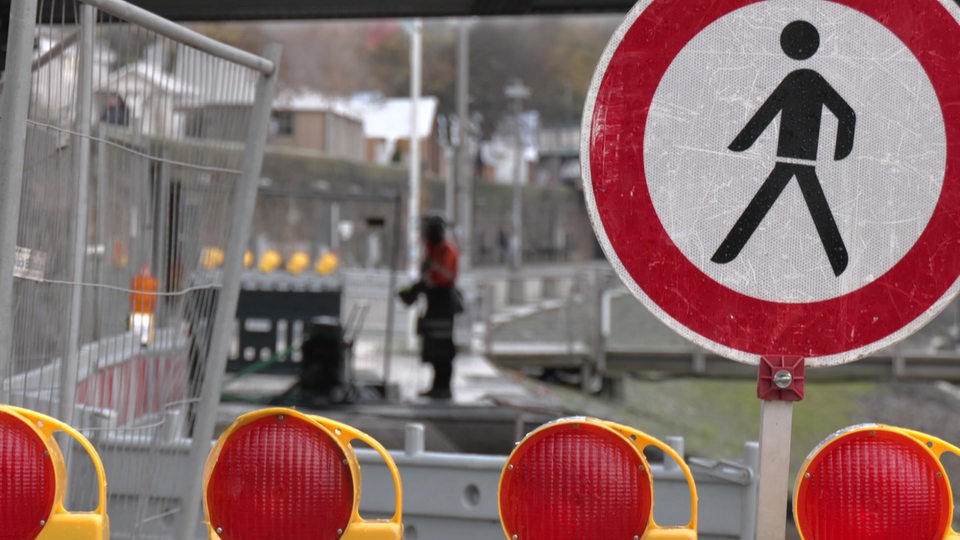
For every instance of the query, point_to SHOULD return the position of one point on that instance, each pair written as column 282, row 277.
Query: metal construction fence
column 124, row 219
column 114, row 199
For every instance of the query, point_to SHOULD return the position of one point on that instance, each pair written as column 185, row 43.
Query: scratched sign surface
column 781, row 178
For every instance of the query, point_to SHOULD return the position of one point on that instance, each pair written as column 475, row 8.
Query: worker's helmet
column 433, row 224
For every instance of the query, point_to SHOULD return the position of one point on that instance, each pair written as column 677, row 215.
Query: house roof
column 141, row 75
column 390, row 118
column 315, row 101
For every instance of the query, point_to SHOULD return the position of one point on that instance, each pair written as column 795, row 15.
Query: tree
column 554, row 56
column 389, row 59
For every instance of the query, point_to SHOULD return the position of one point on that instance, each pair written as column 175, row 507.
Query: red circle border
column 625, row 212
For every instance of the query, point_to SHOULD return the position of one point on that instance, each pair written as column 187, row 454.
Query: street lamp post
column 413, row 210
column 463, row 180
column 415, row 29
column 516, row 92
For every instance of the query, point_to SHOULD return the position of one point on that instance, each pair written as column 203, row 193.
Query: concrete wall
column 556, row 226
column 323, row 131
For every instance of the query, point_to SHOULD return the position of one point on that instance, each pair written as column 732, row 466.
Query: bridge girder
column 222, row 10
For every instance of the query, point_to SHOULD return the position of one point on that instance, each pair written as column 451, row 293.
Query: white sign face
column 881, row 195
column 781, row 178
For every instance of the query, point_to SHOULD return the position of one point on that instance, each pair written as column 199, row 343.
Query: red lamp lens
column 28, row 483
column 280, row 477
column 876, row 485
column 573, row 481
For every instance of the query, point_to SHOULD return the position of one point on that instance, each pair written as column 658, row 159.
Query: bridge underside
column 191, row 10
column 222, row 10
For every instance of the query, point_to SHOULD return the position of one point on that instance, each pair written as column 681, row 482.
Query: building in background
column 146, row 95
column 387, row 126
column 559, row 156
column 312, row 121
column 498, row 156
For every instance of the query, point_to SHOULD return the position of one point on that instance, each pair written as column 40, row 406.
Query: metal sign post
column 780, row 382
column 776, row 419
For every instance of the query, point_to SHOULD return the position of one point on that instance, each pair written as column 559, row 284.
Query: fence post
column 221, row 335
column 69, row 367
column 13, row 139
column 391, row 298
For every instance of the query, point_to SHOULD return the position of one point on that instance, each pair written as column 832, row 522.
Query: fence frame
column 14, row 106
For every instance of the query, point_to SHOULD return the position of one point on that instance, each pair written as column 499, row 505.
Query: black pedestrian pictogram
column 799, row 100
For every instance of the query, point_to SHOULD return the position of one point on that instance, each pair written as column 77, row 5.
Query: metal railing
column 603, row 328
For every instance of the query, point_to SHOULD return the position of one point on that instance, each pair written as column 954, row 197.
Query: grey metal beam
column 235, row 10
column 225, row 10
column 14, row 102
column 154, row 19
column 338, row 9
column 82, row 149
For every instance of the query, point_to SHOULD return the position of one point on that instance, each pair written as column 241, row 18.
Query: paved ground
column 490, row 409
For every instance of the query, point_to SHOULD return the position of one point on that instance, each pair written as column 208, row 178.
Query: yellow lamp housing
column 658, row 532
column 581, row 477
column 278, row 473
column 298, row 262
column 211, row 258
column 327, row 263
column 269, row 261
column 875, row 481
column 21, row 429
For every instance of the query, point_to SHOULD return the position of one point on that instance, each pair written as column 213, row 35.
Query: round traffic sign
column 781, row 178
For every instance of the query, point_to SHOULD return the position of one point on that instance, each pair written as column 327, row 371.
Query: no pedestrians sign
column 781, row 177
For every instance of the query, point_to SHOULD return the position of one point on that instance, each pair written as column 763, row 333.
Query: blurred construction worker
column 438, row 276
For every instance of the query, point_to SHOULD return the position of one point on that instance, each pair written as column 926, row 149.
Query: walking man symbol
column 800, row 100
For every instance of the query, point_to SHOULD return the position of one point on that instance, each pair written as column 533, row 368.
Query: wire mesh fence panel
column 133, row 158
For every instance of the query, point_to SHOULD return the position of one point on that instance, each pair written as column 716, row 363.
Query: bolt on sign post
column 779, row 182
